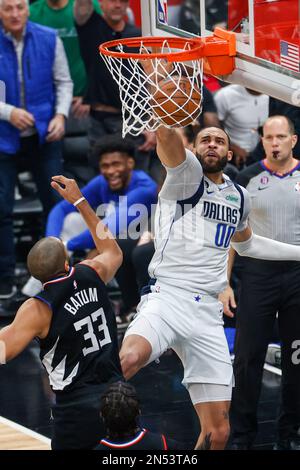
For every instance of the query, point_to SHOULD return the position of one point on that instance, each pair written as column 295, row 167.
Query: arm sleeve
column 267, row 249
column 245, row 208
column 5, row 110
column 183, row 181
column 62, row 80
column 136, row 203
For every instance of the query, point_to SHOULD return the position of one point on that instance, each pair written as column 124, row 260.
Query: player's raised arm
column 110, row 255
column 83, row 10
column 170, row 149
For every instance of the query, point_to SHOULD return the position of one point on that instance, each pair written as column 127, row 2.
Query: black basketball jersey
column 81, row 346
column 143, row 440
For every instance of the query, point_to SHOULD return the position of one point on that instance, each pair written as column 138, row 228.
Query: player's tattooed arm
column 83, row 10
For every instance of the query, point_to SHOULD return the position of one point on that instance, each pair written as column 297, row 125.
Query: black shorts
column 76, row 419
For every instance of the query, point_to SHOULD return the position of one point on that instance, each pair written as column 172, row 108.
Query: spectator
column 58, row 14
column 118, row 179
column 242, row 111
column 268, row 288
column 102, row 92
column 35, row 72
column 75, row 324
column 277, row 107
column 120, row 411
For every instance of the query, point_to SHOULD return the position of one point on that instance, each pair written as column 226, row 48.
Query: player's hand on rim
column 67, row 188
column 158, row 71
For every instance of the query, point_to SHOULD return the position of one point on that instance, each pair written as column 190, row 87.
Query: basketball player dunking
column 75, row 324
column 200, row 211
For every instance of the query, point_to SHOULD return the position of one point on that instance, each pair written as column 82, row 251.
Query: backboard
column 267, row 35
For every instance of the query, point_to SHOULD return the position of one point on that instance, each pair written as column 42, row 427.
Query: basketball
column 176, row 101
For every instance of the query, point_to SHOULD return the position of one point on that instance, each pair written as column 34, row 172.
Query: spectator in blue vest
column 38, row 94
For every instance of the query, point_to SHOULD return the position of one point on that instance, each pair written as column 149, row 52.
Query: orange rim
column 218, row 50
column 196, row 49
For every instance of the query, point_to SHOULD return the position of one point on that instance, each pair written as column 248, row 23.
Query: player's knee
column 220, row 435
column 134, row 354
column 216, row 436
column 131, row 362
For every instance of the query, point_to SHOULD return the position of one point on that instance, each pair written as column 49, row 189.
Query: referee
column 269, row 288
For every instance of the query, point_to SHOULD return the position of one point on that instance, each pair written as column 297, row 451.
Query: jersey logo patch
column 75, row 284
column 264, row 180
column 232, row 198
column 198, row 298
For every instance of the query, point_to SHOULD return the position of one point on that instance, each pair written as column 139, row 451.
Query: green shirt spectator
column 58, row 14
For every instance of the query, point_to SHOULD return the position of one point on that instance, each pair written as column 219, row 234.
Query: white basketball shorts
column 190, row 324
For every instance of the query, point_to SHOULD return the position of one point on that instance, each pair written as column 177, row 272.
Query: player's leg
column 208, row 374
column 134, row 354
column 214, row 421
column 76, row 420
column 147, row 336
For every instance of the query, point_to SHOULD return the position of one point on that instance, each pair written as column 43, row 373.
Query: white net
column 156, row 91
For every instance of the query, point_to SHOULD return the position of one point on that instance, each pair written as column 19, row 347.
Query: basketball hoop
column 140, row 65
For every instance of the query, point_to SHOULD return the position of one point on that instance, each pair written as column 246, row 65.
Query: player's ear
column 294, row 140
column 67, row 266
column 229, row 155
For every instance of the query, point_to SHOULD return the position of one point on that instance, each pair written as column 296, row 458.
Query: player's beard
column 216, row 167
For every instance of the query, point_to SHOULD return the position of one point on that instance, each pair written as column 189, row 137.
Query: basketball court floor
column 25, row 399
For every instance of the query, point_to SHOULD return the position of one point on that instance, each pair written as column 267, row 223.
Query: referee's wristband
column 78, row 201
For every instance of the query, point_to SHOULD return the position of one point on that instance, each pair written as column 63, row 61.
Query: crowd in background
column 62, row 115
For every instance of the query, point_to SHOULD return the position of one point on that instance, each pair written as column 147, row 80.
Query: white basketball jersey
column 194, row 222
